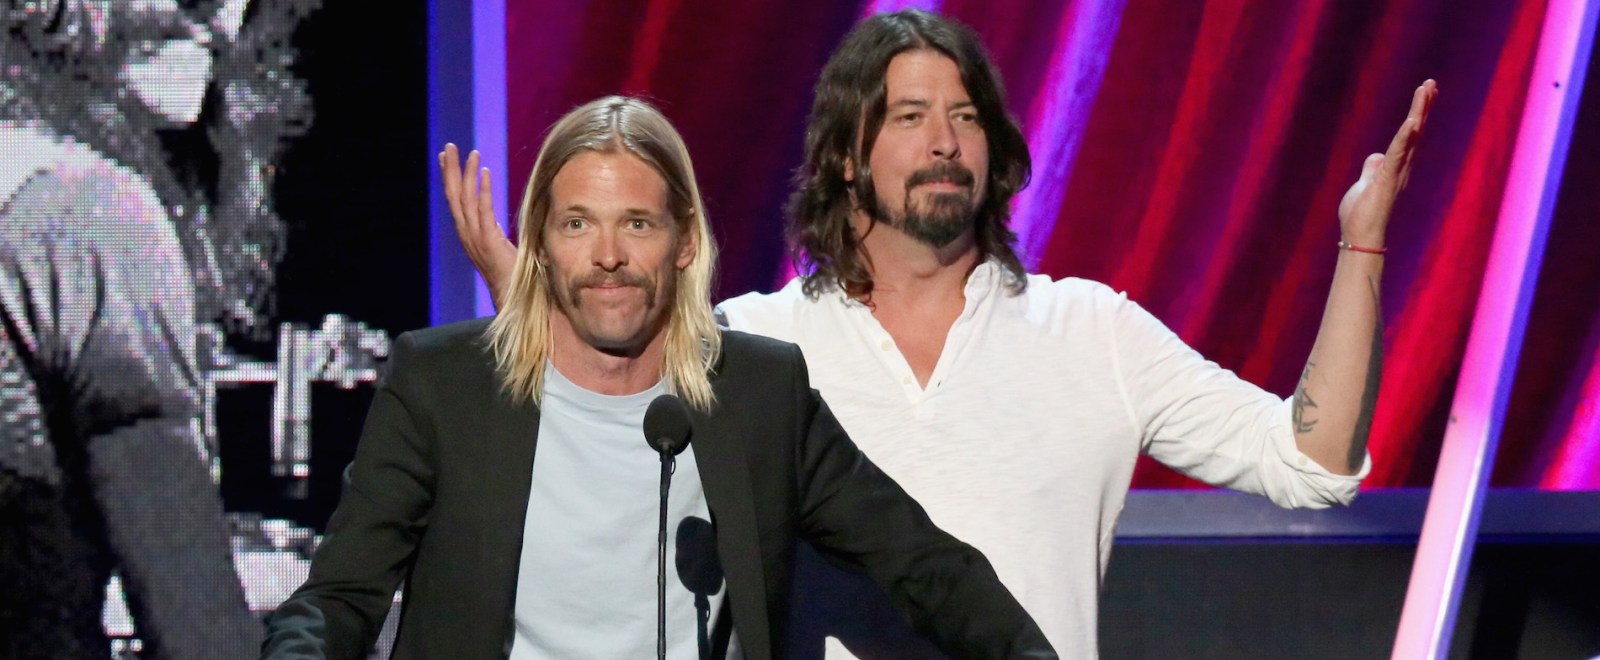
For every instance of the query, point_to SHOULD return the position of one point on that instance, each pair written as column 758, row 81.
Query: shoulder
column 43, row 161
column 453, row 346
column 750, row 360
column 58, row 188
column 448, row 337
column 1069, row 301
column 746, row 350
column 771, row 314
column 439, row 367
column 1042, row 289
column 758, row 376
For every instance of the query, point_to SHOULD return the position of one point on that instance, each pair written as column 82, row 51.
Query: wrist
column 1364, row 249
column 1372, row 239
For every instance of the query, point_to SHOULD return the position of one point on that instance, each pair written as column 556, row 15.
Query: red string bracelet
column 1356, row 248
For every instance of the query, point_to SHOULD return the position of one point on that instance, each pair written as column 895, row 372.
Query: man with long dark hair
column 1011, row 406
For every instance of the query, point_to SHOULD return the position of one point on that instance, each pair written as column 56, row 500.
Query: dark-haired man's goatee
column 940, row 218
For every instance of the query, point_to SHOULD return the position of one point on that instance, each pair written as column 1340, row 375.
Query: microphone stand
column 668, row 465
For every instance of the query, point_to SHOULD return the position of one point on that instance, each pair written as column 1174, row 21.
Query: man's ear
column 540, row 257
column 688, row 243
column 850, row 170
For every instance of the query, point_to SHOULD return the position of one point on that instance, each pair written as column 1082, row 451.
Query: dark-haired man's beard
column 937, row 219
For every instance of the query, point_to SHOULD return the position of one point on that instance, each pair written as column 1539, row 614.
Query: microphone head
column 698, row 567
column 666, row 425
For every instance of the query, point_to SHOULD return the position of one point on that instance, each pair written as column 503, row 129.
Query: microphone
column 701, row 573
column 666, row 429
column 666, row 425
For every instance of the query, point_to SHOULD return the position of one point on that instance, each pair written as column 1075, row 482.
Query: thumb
column 1372, row 166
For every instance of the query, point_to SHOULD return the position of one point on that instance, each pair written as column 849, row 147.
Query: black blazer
column 439, row 488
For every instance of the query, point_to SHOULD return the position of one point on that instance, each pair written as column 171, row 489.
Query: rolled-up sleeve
column 1204, row 421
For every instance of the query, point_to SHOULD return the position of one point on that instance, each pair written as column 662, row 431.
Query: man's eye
column 638, row 224
column 909, row 118
column 967, row 117
column 573, row 223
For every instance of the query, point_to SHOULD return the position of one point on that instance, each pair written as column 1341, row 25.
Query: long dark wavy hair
column 845, row 119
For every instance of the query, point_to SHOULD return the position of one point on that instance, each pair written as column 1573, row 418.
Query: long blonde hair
column 520, row 333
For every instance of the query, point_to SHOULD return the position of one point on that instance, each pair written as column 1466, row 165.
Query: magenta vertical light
column 1059, row 116
column 1489, row 367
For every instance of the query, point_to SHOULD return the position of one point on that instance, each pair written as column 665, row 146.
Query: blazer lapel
column 725, row 478
column 507, row 452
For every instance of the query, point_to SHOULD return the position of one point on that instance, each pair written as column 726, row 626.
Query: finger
column 1397, row 161
column 452, row 182
column 1405, row 142
column 1371, row 166
column 444, row 175
column 489, row 222
column 447, row 167
column 468, row 222
column 1419, row 103
column 1430, row 92
column 1415, row 117
column 470, row 172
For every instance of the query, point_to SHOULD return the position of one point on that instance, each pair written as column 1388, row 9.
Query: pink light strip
column 1489, row 367
column 1059, row 116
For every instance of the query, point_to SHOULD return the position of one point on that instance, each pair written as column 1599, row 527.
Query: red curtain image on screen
column 1191, row 154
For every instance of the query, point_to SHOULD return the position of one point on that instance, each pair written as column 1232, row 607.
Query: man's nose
column 609, row 253
column 942, row 142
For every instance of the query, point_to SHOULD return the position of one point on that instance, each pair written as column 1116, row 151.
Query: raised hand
column 1364, row 211
column 471, row 196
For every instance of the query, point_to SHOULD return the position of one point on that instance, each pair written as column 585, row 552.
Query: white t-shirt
column 587, row 583
column 1024, row 441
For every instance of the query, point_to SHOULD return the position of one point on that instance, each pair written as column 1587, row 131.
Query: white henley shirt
column 1024, row 441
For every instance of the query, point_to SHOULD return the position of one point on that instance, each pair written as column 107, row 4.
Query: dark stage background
column 353, row 194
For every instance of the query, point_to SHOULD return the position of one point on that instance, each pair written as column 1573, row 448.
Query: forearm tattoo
column 1302, row 401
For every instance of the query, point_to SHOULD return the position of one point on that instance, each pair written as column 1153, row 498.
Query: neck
column 906, row 270
column 615, row 372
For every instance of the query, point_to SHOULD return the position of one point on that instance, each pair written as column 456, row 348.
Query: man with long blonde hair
column 606, row 308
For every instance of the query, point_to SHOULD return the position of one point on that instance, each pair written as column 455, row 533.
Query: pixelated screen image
column 212, row 221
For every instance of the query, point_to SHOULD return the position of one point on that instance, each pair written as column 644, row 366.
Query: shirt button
column 1301, row 461
column 887, row 344
column 906, row 380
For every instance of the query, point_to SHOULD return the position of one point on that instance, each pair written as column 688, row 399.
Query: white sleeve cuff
column 1302, row 482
